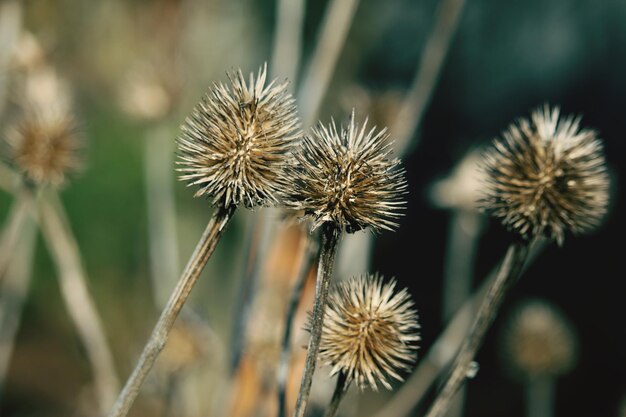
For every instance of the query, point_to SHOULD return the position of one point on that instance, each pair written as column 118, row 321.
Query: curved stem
column 311, row 253
column 330, row 239
column 509, row 271
column 203, row 251
column 340, row 391
column 64, row 250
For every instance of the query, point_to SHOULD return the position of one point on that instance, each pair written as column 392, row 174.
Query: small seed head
column 44, row 149
column 370, row 332
column 346, row 176
column 234, row 144
column 546, row 176
column 540, row 341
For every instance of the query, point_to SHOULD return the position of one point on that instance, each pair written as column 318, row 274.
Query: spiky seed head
column 44, row 149
column 370, row 331
column 546, row 176
column 235, row 142
column 540, row 341
column 346, row 176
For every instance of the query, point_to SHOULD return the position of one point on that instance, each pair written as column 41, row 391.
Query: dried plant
column 546, row 176
column 342, row 180
column 370, row 331
column 233, row 147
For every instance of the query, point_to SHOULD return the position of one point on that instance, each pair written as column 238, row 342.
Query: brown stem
column 509, row 271
column 340, row 391
column 311, row 253
column 78, row 301
column 330, row 239
column 158, row 338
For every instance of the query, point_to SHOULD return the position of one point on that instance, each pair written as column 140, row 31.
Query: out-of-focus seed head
column 44, row 149
column 234, row 144
column 546, row 176
column 346, row 176
column 370, row 331
column 539, row 341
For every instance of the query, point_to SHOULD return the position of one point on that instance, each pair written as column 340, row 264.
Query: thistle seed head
column 540, row 341
column 346, row 177
column 370, row 332
column 234, row 144
column 44, row 149
column 546, row 176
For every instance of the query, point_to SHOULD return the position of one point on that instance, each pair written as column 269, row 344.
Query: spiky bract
column 347, row 177
column 45, row 149
column 546, row 176
column 236, row 140
column 540, row 341
column 370, row 332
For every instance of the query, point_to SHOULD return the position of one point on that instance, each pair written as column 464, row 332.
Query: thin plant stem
column 328, row 249
column 13, row 229
column 340, row 391
column 10, row 28
column 203, row 251
column 465, row 226
column 310, row 255
column 65, row 253
column 13, row 293
column 287, row 39
column 318, row 74
column 509, row 272
column 441, row 352
column 411, row 113
column 540, row 396
column 162, row 233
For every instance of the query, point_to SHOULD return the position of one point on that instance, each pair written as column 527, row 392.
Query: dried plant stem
column 13, row 229
column 340, row 391
column 10, row 27
column 540, row 397
column 288, row 39
column 328, row 249
column 318, row 74
column 509, row 272
column 457, row 282
column 431, row 61
column 81, row 307
column 162, row 234
column 203, row 251
column 13, row 293
column 311, row 253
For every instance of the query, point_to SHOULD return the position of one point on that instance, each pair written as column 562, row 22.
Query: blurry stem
column 256, row 230
column 310, row 255
column 441, row 352
column 287, row 39
column 8, row 178
column 330, row 239
column 431, row 61
column 163, row 238
column 318, row 74
column 13, row 292
column 540, row 397
column 81, row 307
column 10, row 28
column 17, row 219
column 465, row 228
column 340, row 390
column 508, row 273
column 203, row 251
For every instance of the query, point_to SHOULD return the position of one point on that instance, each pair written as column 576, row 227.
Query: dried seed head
column 540, row 341
column 44, row 149
column 346, row 177
column 234, row 144
column 369, row 332
column 547, row 176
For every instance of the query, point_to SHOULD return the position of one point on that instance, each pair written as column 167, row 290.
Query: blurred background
column 446, row 76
